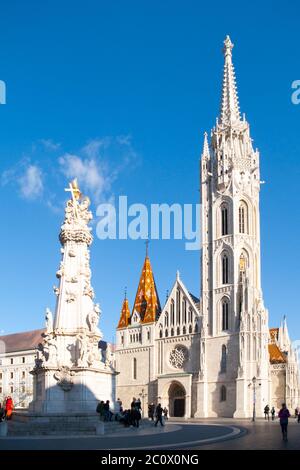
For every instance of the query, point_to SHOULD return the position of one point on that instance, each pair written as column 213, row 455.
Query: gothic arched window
column 225, row 269
column 243, row 217
column 184, row 310
column 166, row 319
column 134, row 368
column 225, row 314
column 178, row 306
column 224, row 359
column 224, row 219
column 172, row 312
column 223, row 393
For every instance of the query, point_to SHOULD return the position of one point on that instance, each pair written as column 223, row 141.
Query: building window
column 23, row 389
column 225, row 314
column 172, row 312
column 224, row 217
column 11, row 389
column 190, row 315
column 166, row 333
column 23, row 374
column 122, row 339
column 0, row 375
column 0, row 389
column 178, row 307
column 23, row 360
column 184, row 330
column 243, row 218
column 190, row 329
column 225, row 270
column 11, row 375
column 224, row 359
column 134, row 368
column 166, row 319
column 178, row 331
column 172, row 331
column 184, row 310
column 160, row 333
column 148, row 335
column 223, row 393
column 11, row 360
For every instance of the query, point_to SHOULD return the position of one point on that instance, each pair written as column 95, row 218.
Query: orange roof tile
column 276, row 356
column 146, row 300
column 125, row 315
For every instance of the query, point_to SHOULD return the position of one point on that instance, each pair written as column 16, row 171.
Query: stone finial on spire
column 230, row 111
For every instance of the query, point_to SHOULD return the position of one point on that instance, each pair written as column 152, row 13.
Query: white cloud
column 49, row 144
column 31, row 182
column 89, row 173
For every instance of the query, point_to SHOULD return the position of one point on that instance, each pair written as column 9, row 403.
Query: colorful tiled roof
column 146, row 301
column 125, row 315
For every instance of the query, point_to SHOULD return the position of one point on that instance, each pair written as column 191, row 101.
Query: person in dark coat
column 284, row 415
column 151, row 410
column 159, row 412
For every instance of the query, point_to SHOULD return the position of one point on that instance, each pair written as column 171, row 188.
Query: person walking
column 284, row 415
column 273, row 413
column 9, row 406
column 165, row 413
column 159, row 412
column 267, row 411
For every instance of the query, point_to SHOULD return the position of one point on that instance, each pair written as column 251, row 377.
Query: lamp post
column 253, row 383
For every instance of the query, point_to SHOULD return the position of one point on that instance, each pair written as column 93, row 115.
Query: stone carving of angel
column 49, row 320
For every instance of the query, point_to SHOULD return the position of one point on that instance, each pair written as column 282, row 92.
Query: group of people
column 128, row 417
column 283, row 416
column 6, row 409
column 133, row 415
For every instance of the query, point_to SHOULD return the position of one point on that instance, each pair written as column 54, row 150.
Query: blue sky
column 130, row 87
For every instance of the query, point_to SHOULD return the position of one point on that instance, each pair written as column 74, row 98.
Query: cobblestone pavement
column 177, row 434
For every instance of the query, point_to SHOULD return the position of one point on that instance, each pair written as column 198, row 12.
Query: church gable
column 180, row 315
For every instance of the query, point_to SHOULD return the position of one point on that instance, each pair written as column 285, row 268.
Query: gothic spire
column 146, row 301
column 125, row 314
column 205, row 151
column 230, row 111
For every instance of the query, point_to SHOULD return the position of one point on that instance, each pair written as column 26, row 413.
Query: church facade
column 213, row 357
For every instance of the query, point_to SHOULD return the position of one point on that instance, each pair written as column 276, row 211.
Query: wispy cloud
column 50, row 145
column 31, row 182
column 27, row 177
column 96, row 165
column 88, row 172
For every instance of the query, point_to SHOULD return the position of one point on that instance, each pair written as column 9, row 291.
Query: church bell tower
column 234, row 320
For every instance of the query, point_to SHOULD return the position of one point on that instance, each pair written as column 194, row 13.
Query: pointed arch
column 223, row 393
column 224, row 218
column 225, row 267
column 225, row 313
column 243, row 217
column 224, row 359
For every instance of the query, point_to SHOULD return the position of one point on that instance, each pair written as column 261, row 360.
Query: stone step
column 72, row 428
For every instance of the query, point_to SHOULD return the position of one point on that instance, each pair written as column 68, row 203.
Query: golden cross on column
column 75, row 192
column 74, row 189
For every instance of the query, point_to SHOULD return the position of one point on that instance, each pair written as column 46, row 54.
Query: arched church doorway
column 176, row 400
